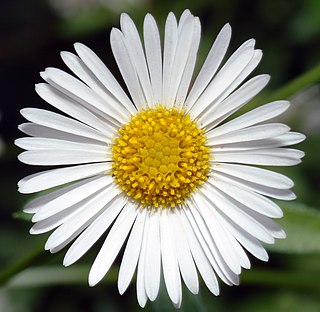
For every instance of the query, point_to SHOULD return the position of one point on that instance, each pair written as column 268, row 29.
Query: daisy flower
column 158, row 168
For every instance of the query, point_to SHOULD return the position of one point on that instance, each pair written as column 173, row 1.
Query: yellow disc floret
column 160, row 157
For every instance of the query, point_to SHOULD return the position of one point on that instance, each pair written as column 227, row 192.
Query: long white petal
column 210, row 66
column 113, row 243
column 55, row 177
column 126, row 68
column 153, row 54
column 104, row 75
column 152, row 256
column 131, row 252
column 200, row 257
column 73, row 195
column 169, row 259
column 94, row 231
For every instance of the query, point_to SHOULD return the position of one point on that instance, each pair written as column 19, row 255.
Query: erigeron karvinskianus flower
column 159, row 170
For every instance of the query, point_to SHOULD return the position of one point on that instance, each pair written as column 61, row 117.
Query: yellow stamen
column 160, row 157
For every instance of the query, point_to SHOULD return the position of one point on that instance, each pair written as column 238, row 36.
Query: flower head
column 159, row 168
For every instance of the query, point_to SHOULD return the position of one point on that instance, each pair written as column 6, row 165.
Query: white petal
column 200, row 258
column 250, row 199
column 37, row 143
column 210, row 65
column 153, row 54
column 224, row 78
column 61, row 157
column 36, row 130
column 264, row 157
column 246, row 240
column 61, row 123
column 89, row 209
column 55, row 177
column 228, row 207
column 234, row 102
column 218, row 234
column 136, row 53
column 169, row 51
column 94, row 231
column 78, row 91
column 205, row 239
column 65, row 104
column 256, row 175
column 169, row 259
column 141, row 290
column 113, row 243
column 126, row 68
column 252, row 117
column 131, row 252
column 71, row 195
column 190, row 64
column 184, row 43
column 259, row 132
column 104, row 75
column 283, row 194
column 152, row 256
column 186, row 263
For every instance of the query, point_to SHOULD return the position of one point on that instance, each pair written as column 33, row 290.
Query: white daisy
column 159, row 169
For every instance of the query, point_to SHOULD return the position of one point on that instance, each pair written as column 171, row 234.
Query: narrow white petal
column 113, row 243
column 252, row 117
column 36, row 204
column 250, row 199
column 259, row 132
column 169, row 259
column 36, row 143
column 153, row 54
column 131, row 253
column 94, row 231
column 184, row 16
column 210, row 65
column 229, row 208
column 126, row 68
column 218, row 234
column 186, row 263
column 136, row 53
column 249, row 242
column 200, row 258
column 205, row 239
column 59, row 122
column 169, row 51
column 234, row 101
column 104, row 75
column 81, row 93
column 283, row 194
column 141, row 290
column 152, row 256
column 190, row 64
column 263, row 157
column 184, row 43
column 224, row 78
column 256, row 175
column 90, row 209
column 71, row 195
column 61, row 157
column 69, row 106
column 36, row 130
column 55, row 177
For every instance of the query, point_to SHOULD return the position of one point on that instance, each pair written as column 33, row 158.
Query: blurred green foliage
column 32, row 34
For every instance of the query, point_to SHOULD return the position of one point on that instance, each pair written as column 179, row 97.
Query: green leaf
column 302, row 225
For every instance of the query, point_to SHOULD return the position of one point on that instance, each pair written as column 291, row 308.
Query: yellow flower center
column 160, row 157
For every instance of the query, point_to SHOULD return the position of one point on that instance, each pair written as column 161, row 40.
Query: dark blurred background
column 33, row 32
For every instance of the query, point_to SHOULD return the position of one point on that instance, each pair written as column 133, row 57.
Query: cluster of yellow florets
column 160, row 157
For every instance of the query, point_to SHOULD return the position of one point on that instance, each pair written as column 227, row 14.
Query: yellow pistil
column 160, row 157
